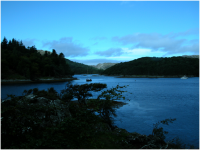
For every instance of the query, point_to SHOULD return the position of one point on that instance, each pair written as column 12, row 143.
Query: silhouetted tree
column 4, row 43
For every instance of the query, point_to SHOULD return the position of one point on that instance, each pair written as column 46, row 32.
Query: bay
column 152, row 100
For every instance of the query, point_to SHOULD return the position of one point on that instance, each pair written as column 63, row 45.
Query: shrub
column 35, row 90
column 29, row 91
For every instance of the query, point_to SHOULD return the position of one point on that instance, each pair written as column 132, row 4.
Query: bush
column 159, row 131
column 42, row 93
column 35, row 90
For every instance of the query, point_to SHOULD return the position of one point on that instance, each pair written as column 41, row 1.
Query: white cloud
column 29, row 42
column 137, row 50
column 110, row 52
column 67, row 46
column 171, row 43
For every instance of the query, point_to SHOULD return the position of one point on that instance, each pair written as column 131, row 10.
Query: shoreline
column 13, row 81
column 146, row 76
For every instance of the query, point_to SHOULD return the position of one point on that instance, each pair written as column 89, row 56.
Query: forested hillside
column 174, row 66
column 78, row 68
column 104, row 66
column 19, row 62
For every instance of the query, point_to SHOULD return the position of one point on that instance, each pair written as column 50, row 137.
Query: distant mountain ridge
column 79, row 68
column 104, row 66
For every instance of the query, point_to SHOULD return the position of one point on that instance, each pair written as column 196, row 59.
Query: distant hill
column 191, row 56
column 79, row 68
column 104, row 66
column 174, row 66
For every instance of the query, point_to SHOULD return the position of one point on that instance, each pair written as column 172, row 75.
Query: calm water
column 152, row 100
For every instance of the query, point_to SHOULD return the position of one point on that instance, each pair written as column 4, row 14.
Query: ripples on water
column 152, row 100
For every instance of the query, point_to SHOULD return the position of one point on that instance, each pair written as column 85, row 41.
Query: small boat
column 184, row 77
column 88, row 80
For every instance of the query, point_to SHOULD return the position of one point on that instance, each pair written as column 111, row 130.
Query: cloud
column 67, row 46
column 29, row 42
column 185, row 33
column 110, row 52
column 171, row 43
column 136, row 50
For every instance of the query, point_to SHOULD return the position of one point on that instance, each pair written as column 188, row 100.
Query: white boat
column 184, row 77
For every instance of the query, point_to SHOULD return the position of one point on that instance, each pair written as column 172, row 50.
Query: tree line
column 174, row 66
column 19, row 62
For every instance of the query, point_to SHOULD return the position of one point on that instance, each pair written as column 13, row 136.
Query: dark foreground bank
column 46, row 119
column 13, row 81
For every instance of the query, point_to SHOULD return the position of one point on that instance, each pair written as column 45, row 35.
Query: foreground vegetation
column 153, row 66
column 51, row 120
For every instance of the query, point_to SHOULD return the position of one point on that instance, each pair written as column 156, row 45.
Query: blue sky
column 93, row 32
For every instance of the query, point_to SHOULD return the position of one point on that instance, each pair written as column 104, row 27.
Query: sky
column 92, row 32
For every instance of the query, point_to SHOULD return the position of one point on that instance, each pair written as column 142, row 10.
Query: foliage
column 103, row 104
column 29, row 91
column 28, row 63
column 153, row 66
column 159, row 131
column 82, row 92
column 35, row 90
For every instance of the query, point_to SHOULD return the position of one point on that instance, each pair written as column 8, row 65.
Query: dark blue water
column 152, row 100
